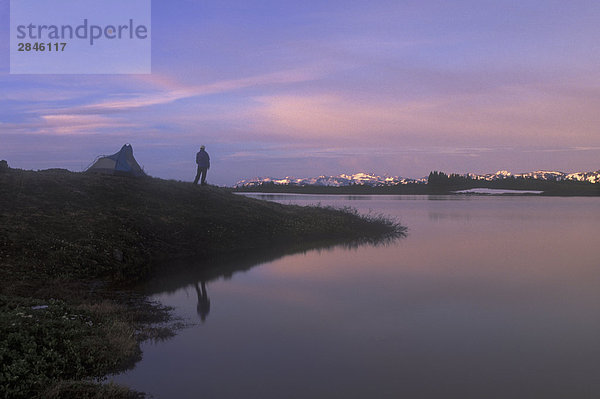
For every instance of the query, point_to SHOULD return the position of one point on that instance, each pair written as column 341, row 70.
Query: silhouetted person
column 203, row 307
column 203, row 161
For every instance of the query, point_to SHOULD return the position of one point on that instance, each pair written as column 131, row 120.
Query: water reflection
column 203, row 307
column 317, row 198
column 442, row 216
column 502, row 304
column 191, row 273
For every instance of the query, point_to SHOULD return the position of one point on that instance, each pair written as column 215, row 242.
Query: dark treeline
column 438, row 183
column 352, row 189
column 440, row 179
column 453, row 182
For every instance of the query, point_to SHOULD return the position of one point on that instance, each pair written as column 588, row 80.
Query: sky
column 306, row 88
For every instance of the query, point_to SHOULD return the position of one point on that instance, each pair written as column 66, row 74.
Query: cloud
column 508, row 115
column 48, row 115
column 169, row 90
column 64, row 124
column 79, row 124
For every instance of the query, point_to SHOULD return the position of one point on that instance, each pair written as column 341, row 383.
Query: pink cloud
column 510, row 115
column 64, row 124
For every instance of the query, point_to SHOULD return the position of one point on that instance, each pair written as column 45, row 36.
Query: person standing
column 203, row 161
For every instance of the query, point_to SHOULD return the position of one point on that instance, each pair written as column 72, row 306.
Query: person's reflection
column 203, row 307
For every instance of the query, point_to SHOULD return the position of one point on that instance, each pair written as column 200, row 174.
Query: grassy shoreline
column 71, row 244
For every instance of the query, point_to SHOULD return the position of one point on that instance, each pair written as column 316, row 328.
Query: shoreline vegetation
column 439, row 183
column 73, row 246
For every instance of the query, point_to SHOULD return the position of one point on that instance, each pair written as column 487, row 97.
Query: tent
column 122, row 163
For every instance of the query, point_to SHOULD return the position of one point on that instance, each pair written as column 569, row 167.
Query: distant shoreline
column 484, row 192
column 524, row 188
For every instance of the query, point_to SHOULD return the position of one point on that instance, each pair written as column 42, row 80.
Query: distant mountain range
column 373, row 180
column 335, row 181
column 592, row 177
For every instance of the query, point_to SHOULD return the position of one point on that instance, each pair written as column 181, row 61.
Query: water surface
column 487, row 297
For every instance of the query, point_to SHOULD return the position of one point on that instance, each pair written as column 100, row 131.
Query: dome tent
column 122, row 163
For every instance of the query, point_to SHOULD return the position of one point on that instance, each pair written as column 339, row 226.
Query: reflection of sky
column 502, row 304
column 307, row 88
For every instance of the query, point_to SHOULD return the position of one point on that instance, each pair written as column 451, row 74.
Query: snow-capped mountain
column 592, row 177
column 370, row 179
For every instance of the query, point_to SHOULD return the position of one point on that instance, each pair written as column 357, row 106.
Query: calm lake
column 486, row 297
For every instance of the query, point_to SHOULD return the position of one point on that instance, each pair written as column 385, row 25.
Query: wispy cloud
column 64, row 124
column 170, row 91
column 50, row 114
column 508, row 115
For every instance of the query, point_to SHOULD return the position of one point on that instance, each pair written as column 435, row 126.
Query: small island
column 73, row 244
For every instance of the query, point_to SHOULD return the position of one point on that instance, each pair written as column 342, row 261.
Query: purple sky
column 276, row 88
